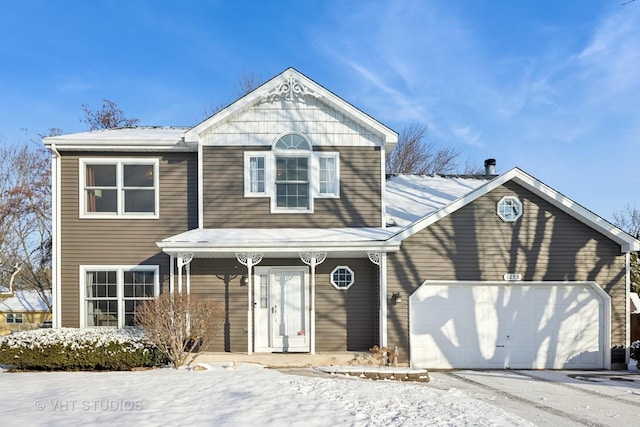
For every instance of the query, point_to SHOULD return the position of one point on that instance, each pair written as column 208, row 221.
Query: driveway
column 552, row 398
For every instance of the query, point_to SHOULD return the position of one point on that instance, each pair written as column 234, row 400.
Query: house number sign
column 512, row 277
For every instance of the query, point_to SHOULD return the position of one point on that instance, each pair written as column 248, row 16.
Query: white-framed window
column 14, row 318
column 342, row 278
column 109, row 295
column 509, row 208
column 292, row 174
column 328, row 175
column 119, row 188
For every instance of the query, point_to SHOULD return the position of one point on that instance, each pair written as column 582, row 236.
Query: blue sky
column 552, row 87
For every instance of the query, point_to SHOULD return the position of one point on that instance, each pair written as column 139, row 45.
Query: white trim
column 270, row 171
column 268, row 178
column 119, row 162
column 200, row 187
column 335, row 285
column 315, row 170
column 383, row 186
column 504, row 200
column 606, row 304
column 119, row 269
column 257, row 96
column 626, row 241
column 383, row 299
column 56, row 285
column 627, row 305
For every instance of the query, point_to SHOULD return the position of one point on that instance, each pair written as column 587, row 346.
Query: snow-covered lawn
column 245, row 395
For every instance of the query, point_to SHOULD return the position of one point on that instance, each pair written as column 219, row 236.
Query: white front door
column 281, row 309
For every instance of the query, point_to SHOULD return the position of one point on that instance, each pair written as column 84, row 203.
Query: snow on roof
column 151, row 133
column 411, row 197
column 24, row 300
column 137, row 137
column 256, row 236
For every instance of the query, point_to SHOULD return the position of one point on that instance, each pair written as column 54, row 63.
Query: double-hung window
column 14, row 318
column 119, row 188
column 292, row 174
column 110, row 295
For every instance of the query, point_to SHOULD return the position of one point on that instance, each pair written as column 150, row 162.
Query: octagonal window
column 509, row 208
column 342, row 278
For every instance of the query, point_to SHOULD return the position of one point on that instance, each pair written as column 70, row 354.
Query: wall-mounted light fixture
column 244, row 280
column 396, row 298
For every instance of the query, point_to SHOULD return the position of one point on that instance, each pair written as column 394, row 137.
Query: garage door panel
column 507, row 325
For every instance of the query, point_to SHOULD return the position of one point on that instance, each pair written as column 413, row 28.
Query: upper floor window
column 509, row 208
column 292, row 174
column 119, row 188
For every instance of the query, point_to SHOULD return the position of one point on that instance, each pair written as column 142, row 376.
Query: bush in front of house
column 182, row 326
column 71, row 349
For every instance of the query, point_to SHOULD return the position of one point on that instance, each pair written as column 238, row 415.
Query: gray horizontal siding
column 122, row 241
column 475, row 244
column 345, row 320
column 225, row 206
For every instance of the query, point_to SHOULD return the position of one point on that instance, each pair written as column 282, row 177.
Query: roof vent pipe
column 490, row 167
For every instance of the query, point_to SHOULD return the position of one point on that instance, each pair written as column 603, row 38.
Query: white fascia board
column 390, row 137
column 333, row 247
column 124, row 145
column 627, row 243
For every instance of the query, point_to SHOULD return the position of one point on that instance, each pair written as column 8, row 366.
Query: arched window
column 292, row 174
column 292, row 153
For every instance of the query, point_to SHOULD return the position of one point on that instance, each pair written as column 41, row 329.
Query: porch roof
column 280, row 242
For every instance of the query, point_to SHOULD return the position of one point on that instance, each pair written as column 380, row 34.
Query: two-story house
column 278, row 207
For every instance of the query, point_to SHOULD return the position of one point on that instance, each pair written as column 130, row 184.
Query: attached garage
column 517, row 325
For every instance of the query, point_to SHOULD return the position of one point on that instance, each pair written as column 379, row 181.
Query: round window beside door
column 342, row 278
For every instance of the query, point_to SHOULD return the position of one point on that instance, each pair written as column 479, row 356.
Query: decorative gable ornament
column 290, row 90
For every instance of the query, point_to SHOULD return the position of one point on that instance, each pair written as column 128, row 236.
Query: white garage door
column 518, row 325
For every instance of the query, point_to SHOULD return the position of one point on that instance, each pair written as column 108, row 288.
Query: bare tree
column 628, row 219
column 181, row 325
column 25, row 218
column 413, row 155
column 109, row 117
column 246, row 83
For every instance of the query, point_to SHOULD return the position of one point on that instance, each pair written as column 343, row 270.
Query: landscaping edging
column 378, row 373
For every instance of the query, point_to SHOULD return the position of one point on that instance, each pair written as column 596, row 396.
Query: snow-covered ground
column 227, row 395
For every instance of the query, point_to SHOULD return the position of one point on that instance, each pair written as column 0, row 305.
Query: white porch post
column 380, row 259
column 172, row 261
column 312, row 259
column 183, row 261
column 249, row 259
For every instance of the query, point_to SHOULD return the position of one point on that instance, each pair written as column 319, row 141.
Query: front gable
column 625, row 241
column 253, row 177
column 291, row 102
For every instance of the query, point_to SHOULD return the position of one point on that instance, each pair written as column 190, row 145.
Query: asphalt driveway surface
column 553, row 398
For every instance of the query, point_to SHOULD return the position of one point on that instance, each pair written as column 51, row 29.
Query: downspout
column 627, row 316
column 200, row 187
column 56, row 246
column 382, row 268
column 383, row 183
column 312, row 320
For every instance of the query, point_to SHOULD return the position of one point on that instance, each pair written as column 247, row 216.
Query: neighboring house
column 22, row 310
column 279, row 208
